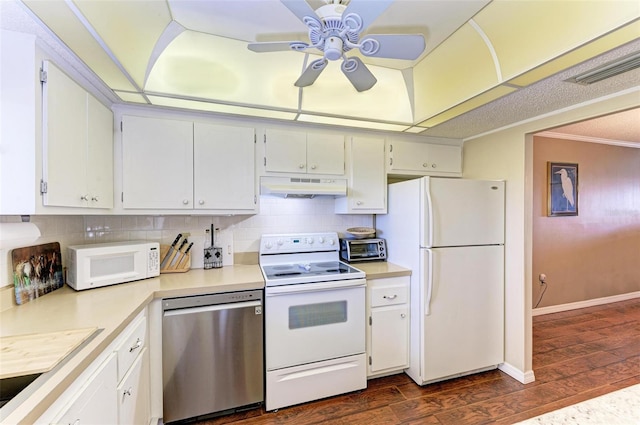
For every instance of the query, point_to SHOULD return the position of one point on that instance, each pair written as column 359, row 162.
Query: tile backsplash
column 240, row 233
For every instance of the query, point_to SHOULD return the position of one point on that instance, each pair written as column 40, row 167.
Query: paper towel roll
column 13, row 235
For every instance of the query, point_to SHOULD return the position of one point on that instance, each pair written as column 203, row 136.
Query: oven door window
column 307, row 315
column 305, row 327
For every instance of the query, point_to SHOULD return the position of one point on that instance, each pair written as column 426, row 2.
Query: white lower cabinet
column 387, row 325
column 114, row 389
column 95, row 401
column 133, row 392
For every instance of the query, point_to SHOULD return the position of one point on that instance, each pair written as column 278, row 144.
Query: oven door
column 311, row 322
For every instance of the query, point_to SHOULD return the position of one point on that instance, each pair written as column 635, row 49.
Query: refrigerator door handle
column 427, row 301
column 429, row 240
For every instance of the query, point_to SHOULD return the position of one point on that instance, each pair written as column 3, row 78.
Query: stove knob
column 321, row 239
column 280, row 242
column 331, row 242
column 310, row 241
column 268, row 245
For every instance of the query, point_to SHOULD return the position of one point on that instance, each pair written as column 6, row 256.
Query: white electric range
column 314, row 319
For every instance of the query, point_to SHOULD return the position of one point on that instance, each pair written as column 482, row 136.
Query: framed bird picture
column 562, row 195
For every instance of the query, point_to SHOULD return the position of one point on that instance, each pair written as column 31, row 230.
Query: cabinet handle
column 201, row 202
column 301, row 166
column 84, row 197
column 313, row 167
column 390, row 297
column 424, row 164
column 135, row 346
column 94, row 198
column 403, row 315
column 359, row 203
column 433, row 165
column 128, row 391
column 185, row 202
column 76, row 422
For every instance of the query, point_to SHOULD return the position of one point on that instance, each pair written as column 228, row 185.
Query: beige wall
column 597, row 253
column 508, row 154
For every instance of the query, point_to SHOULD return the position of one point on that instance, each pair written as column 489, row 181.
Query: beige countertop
column 111, row 309
column 381, row 269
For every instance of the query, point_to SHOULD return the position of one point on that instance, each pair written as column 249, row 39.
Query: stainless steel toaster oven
column 370, row 249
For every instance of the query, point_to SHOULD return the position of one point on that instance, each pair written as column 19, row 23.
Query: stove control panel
column 299, row 242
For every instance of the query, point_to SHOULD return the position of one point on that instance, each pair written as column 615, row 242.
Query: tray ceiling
column 487, row 63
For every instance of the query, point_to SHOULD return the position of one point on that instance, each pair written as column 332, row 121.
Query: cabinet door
column 64, row 140
column 99, row 154
column 133, row 393
column 443, row 158
column 95, row 403
column 367, row 180
column 157, row 163
column 389, row 338
column 224, row 167
column 425, row 158
column 325, row 154
column 407, row 156
column 285, row 151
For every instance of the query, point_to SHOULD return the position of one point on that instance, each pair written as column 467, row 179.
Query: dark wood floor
column 577, row 355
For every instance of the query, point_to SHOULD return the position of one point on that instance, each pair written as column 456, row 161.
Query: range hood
column 302, row 187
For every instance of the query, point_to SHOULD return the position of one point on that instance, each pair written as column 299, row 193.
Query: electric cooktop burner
column 307, row 269
column 289, row 259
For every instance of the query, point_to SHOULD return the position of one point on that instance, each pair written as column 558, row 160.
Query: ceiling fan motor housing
column 333, row 34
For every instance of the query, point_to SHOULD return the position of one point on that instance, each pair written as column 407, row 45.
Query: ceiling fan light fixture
column 611, row 69
column 333, row 48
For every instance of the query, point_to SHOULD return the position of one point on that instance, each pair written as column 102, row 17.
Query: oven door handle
column 314, row 287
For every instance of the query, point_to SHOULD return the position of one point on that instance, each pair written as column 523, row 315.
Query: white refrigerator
column 450, row 233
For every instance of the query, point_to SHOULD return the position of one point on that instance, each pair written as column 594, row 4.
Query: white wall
column 508, row 154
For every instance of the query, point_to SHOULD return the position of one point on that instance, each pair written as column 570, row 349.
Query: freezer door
column 461, row 212
column 462, row 311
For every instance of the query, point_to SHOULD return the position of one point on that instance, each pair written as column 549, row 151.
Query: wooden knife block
column 181, row 263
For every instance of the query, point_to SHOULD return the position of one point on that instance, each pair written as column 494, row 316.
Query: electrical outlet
column 542, row 278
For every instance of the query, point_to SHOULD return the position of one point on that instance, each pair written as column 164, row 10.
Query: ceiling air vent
column 610, row 69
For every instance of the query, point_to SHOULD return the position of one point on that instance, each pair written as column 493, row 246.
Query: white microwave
column 103, row 264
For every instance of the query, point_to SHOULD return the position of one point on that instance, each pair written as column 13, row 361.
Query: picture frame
column 562, row 193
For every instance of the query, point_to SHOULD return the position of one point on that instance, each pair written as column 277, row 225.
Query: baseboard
column 517, row 374
column 582, row 304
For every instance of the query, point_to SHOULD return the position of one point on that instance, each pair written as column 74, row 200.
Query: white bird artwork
column 567, row 187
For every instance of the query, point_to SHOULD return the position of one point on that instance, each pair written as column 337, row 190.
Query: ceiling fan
column 335, row 29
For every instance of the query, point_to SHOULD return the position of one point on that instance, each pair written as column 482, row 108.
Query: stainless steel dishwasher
column 212, row 354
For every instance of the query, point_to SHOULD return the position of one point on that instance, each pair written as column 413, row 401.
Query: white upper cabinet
column 77, row 145
column 415, row 158
column 225, row 167
column 307, row 153
column 157, row 163
column 367, row 191
column 176, row 165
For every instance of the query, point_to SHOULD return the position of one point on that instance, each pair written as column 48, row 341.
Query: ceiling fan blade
column 277, row 46
column 369, row 10
column 300, row 8
column 357, row 72
column 311, row 74
column 393, row 46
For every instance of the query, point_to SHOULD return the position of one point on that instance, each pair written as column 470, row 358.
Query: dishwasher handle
column 215, row 307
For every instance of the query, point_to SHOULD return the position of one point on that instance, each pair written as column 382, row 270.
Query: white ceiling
column 619, row 128
column 261, row 84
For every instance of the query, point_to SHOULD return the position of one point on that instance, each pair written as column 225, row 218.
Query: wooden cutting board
column 38, row 353
column 37, row 271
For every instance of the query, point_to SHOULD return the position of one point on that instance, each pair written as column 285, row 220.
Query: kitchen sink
column 11, row 387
